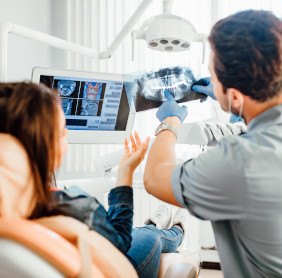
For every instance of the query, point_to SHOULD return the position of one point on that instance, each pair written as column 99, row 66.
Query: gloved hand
column 171, row 108
column 204, row 86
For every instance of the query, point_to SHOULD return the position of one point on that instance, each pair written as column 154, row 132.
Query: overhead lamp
column 168, row 32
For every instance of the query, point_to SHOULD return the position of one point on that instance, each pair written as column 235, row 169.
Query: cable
column 54, row 177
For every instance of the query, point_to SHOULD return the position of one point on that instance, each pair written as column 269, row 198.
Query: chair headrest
column 16, row 182
column 44, row 242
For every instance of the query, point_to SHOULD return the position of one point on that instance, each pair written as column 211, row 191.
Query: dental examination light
column 165, row 32
column 168, row 32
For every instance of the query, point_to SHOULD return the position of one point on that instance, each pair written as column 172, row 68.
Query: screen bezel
column 90, row 136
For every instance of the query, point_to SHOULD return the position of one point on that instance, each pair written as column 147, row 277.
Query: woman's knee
column 150, row 265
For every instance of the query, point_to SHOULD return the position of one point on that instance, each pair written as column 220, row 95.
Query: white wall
column 24, row 54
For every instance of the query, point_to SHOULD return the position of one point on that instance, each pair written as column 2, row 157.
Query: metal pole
column 7, row 28
column 53, row 41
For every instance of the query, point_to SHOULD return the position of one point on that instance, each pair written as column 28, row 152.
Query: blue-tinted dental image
column 146, row 90
column 68, row 92
column 66, row 87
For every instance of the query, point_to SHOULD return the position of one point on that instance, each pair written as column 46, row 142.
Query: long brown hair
column 30, row 113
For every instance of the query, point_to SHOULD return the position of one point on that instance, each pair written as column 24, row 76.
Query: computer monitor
column 95, row 104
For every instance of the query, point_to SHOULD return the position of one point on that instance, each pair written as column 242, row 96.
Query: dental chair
column 59, row 246
column 30, row 250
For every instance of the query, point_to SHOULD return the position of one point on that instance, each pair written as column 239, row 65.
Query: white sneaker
column 181, row 218
column 161, row 218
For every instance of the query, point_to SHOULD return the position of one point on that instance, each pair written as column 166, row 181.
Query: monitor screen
column 95, row 104
column 91, row 103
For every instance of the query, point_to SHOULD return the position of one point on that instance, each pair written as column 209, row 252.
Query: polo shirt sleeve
column 213, row 186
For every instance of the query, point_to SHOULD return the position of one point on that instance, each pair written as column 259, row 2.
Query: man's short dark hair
column 247, row 49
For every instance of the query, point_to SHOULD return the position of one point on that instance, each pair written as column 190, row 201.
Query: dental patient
column 32, row 117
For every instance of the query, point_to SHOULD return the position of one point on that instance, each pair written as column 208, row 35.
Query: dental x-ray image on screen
column 91, row 103
column 90, row 98
column 79, row 98
column 146, row 90
column 68, row 90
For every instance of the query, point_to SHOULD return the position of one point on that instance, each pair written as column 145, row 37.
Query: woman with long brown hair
column 32, row 115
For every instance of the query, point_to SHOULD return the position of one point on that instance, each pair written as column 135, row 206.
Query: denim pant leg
column 147, row 244
column 120, row 216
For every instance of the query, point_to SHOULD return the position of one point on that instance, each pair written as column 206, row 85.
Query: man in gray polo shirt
column 237, row 185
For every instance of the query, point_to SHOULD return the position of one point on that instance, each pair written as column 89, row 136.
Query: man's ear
column 237, row 98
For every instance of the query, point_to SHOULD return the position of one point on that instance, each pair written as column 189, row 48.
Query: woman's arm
column 131, row 159
column 120, row 213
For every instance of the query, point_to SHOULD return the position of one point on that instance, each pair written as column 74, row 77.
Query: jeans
column 114, row 224
column 147, row 244
column 142, row 246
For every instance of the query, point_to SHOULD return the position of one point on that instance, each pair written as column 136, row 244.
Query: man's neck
column 252, row 108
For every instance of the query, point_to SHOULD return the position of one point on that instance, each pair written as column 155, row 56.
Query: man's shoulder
column 230, row 154
column 238, row 144
column 230, row 146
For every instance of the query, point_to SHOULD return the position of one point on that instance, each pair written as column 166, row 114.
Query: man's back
column 255, row 241
column 239, row 188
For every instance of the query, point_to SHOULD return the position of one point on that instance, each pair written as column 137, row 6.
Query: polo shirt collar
column 268, row 117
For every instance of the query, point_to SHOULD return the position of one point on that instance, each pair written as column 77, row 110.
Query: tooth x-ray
column 146, row 90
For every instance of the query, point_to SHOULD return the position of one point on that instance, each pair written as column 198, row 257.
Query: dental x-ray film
column 145, row 90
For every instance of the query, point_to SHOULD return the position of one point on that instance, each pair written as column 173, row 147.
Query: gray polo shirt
column 238, row 187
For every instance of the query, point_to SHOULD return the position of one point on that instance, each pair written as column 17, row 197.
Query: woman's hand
column 131, row 159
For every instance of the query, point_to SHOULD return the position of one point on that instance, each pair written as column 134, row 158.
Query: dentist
column 238, row 184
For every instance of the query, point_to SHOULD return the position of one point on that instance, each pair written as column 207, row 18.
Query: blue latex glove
column 171, row 108
column 204, row 86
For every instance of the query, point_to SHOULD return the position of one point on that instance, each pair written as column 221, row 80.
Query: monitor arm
column 7, row 28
